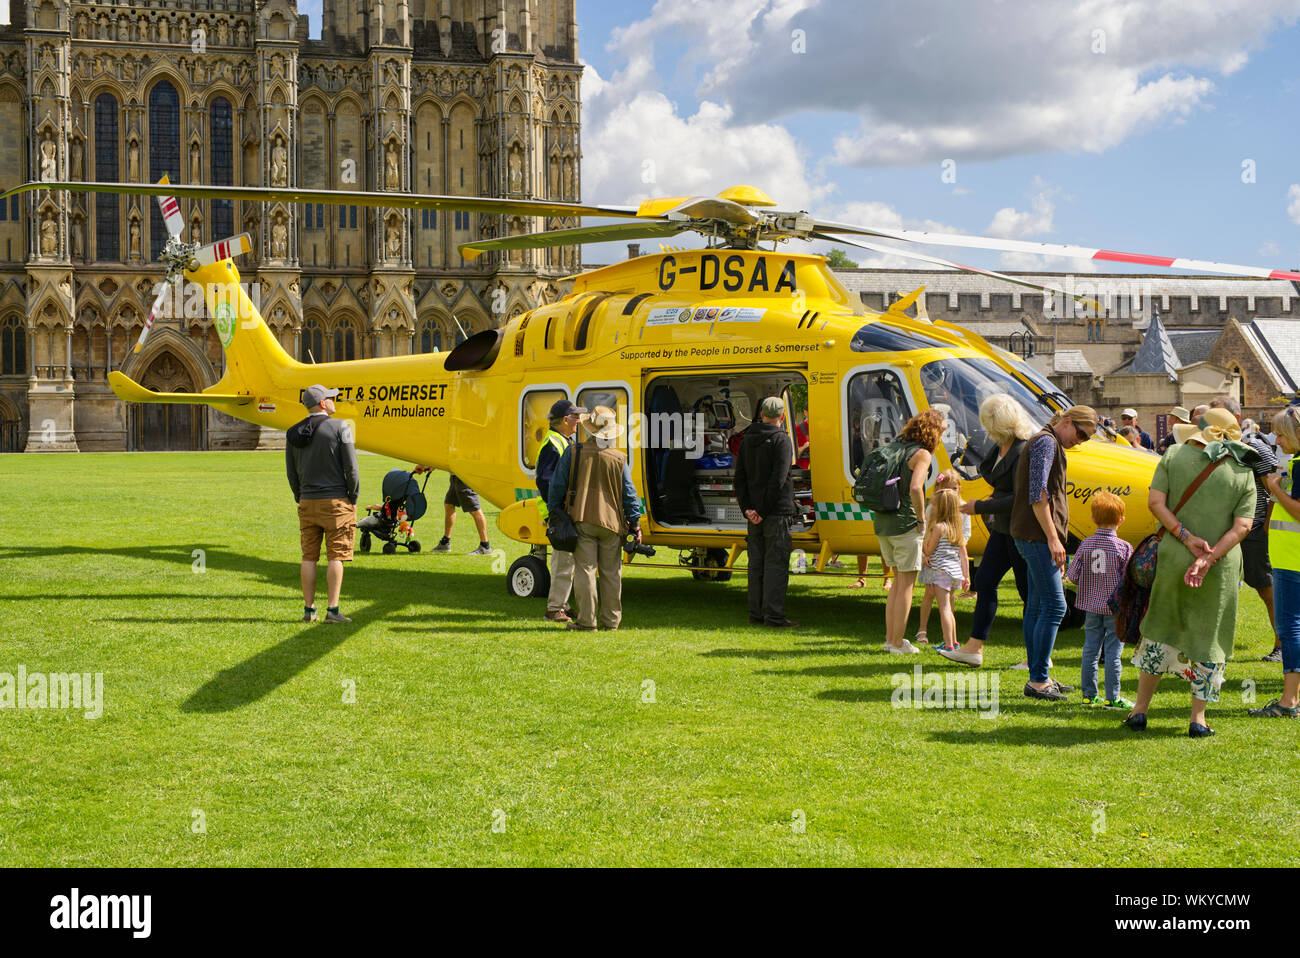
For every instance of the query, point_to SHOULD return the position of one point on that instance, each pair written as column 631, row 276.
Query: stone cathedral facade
column 472, row 97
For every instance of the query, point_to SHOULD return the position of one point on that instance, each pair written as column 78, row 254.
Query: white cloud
column 1010, row 223
column 1269, row 248
column 1293, row 203
column 998, row 78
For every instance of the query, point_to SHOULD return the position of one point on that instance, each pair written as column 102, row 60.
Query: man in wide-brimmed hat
column 1178, row 416
column 605, row 508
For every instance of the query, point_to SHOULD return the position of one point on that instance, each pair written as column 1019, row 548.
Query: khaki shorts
column 903, row 552
column 334, row 520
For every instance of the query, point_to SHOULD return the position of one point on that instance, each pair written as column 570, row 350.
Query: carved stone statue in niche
column 135, row 239
column 133, row 162
column 164, row 31
column 49, row 165
column 394, row 240
column 568, row 177
column 279, row 163
column 78, row 238
column 516, row 172
column 196, row 166
column 49, row 234
column 241, row 33
column 223, row 33
column 76, row 159
column 391, row 178
column 279, row 238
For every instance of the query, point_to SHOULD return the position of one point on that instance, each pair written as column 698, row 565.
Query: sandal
column 859, row 583
column 1275, row 709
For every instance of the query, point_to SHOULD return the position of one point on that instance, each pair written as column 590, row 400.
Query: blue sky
column 1120, row 125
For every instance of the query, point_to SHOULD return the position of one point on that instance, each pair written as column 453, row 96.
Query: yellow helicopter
column 684, row 345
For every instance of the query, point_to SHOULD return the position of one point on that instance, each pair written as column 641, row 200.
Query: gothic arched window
column 107, row 205
column 219, row 148
column 164, row 153
column 345, row 343
column 13, row 347
column 313, row 341
column 429, row 338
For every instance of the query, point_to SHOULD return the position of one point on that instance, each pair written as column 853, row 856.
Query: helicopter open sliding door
column 691, row 431
column 878, row 403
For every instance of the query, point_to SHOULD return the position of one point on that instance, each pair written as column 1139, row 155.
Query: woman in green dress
column 1191, row 620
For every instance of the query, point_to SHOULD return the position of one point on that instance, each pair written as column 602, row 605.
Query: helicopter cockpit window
column 883, row 338
column 878, row 409
column 957, row 388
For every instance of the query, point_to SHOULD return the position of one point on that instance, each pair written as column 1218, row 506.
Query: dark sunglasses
column 1083, row 436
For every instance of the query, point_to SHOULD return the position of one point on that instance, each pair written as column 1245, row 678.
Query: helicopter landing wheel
column 711, row 563
column 528, row 578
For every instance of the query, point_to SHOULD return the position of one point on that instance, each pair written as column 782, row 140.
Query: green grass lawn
column 226, row 740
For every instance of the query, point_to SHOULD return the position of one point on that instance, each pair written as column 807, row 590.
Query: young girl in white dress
column 947, row 566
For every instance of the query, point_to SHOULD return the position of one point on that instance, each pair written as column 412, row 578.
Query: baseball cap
column 312, row 395
column 563, row 407
column 772, row 407
column 1131, row 413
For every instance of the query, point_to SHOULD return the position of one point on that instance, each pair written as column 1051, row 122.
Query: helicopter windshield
column 957, row 388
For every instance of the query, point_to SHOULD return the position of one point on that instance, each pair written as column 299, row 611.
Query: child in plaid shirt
column 1097, row 569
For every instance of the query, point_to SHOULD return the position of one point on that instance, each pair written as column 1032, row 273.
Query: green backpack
column 877, row 485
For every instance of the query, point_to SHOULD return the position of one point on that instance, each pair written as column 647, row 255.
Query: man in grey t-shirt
column 321, row 462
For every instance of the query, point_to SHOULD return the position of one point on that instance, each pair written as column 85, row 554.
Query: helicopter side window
column 534, row 422
column 877, row 411
column 612, row 397
column 957, row 388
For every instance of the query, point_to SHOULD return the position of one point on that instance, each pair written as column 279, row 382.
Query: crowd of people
column 1225, row 509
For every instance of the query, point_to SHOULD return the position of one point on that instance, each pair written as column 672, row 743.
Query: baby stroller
column 394, row 520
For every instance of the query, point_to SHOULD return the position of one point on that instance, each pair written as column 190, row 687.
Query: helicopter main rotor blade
column 581, row 234
column 261, row 194
column 940, row 261
column 170, row 209
column 1054, row 249
column 223, row 249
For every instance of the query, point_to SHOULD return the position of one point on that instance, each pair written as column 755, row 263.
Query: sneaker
column 907, row 648
column 1274, row 656
column 310, row 617
column 966, row 658
column 1049, row 693
column 922, row 639
column 336, row 617
column 481, row 551
column 1275, row 709
column 574, row 627
column 559, row 615
column 1119, row 703
column 444, row 545
column 1095, row 700
column 835, row 564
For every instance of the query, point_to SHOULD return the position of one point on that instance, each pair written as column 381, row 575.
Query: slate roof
column 1156, row 354
column 1193, row 345
column 1071, row 361
column 1278, row 342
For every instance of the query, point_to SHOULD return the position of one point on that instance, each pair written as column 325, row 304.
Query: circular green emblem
column 225, row 324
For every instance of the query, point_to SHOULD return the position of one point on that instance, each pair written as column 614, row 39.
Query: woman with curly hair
column 901, row 533
column 1039, row 524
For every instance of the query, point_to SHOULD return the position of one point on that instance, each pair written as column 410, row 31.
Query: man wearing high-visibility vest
column 1284, row 554
column 564, row 423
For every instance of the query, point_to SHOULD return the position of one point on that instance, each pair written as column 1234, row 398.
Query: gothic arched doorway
column 165, row 427
column 11, row 427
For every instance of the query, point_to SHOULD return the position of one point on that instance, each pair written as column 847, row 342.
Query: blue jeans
column 1286, row 609
column 1099, row 635
column 1044, row 608
column 999, row 555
